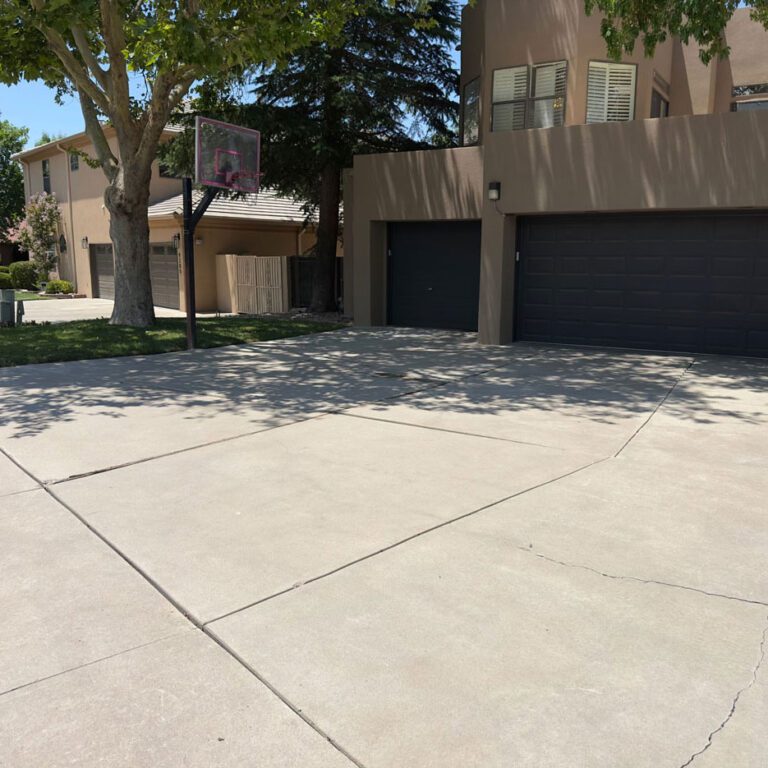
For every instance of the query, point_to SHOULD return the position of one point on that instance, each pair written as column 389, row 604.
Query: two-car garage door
column 680, row 282
column 163, row 273
column 669, row 281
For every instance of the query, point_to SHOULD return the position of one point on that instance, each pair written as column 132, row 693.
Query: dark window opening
column 659, row 105
column 47, row 176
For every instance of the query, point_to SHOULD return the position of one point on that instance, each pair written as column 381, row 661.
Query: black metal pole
column 189, row 263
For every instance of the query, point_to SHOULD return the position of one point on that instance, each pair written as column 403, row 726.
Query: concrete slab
column 67, row 599
column 228, row 525
column 700, row 526
column 67, row 310
column 77, row 418
column 586, row 404
column 179, row 702
column 12, row 479
column 458, row 649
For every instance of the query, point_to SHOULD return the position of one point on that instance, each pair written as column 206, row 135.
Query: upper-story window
column 471, row 122
column 529, row 97
column 742, row 106
column 747, row 94
column 659, row 105
column 74, row 162
column 611, row 92
column 47, row 176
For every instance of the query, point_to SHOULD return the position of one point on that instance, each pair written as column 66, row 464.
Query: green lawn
column 29, row 296
column 88, row 339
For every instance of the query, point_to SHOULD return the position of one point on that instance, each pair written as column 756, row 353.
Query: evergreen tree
column 388, row 83
column 12, row 140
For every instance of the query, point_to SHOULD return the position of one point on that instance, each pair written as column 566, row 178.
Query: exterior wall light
column 62, row 244
column 494, row 191
column 84, row 243
column 176, row 241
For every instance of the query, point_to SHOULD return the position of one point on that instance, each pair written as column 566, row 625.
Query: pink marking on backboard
column 211, row 169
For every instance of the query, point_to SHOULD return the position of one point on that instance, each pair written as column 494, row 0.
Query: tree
column 12, row 140
column 386, row 84
column 39, row 231
column 702, row 21
column 47, row 138
column 93, row 47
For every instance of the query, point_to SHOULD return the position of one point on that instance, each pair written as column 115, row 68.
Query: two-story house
column 264, row 225
column 591, row 202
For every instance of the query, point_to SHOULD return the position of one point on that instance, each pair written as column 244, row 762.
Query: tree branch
column 96, row 133
column 81, row 41
column 114, row 43
column 77, row 71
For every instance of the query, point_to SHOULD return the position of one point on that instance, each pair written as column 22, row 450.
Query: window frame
column 610, row 62
column 46, row 168
column 474, row 82
column 529, row 99
column 739, row 106
column 74, row 162
column 663, row 100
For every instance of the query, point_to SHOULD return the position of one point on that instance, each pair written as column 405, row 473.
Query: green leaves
column 12, row 140
column 652, row 21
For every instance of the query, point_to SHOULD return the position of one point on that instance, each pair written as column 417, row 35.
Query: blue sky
column 33, row 105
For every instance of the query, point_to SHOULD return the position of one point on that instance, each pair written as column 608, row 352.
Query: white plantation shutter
column 611, row 92
column 510, row 84
column 549, row 80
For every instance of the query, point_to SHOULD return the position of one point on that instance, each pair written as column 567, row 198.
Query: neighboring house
column 592, row 202
column 264, row 225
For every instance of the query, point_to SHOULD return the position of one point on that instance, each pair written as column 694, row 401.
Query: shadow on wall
column 681, row 163
column 428, row 185
column 273, row 383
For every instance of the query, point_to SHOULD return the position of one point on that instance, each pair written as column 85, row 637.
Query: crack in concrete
column 734, row 704
column 638, row 580
column 656, row 409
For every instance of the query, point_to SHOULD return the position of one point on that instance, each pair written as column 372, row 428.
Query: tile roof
column 267, row 205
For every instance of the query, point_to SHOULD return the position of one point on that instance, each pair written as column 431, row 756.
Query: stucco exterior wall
column 81, row 195
column 409, row 186
column 687, row 163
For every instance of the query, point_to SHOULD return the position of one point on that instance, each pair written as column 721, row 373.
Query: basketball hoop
column 226, row 157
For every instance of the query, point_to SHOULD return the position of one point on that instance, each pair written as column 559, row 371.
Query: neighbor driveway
column 66, row 310
column 385, row 548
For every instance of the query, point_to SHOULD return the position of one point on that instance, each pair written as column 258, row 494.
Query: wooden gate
column 256, row 285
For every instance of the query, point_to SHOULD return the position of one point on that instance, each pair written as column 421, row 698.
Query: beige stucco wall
column 236, row 237
column 86, row 215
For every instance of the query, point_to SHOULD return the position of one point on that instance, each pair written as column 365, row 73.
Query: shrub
column 24, row 275
column 38, row 233
column 59, row 286
column 5, row 281
column 5, row 270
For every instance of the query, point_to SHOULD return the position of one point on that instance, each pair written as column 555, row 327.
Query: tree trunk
column 129, row 232
column 324, row 286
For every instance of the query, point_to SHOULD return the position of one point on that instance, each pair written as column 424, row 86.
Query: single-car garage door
column 164, row 273
column 434, row 274
column 103, row 271
column 678, row 282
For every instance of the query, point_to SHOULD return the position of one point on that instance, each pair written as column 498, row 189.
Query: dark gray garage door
column 164, row 273
column 692, row 283
column 103, row 271
column 434, row 274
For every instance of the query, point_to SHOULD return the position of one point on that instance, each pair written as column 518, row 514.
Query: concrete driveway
column 385, row 548
column 66, row 310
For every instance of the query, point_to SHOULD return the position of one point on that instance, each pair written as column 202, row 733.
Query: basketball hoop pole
column 191, row 220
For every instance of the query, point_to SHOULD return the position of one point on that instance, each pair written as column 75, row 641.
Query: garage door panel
column 687, row 282
column 164, row 274
column 434, row 274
